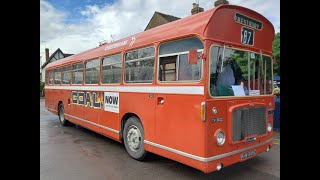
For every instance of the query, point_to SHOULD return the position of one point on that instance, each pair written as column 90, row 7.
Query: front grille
column 247, row 122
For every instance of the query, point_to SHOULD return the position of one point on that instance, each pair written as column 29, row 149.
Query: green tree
column 276, row 54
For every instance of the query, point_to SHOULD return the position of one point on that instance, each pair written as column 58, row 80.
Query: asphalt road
column 76, row 153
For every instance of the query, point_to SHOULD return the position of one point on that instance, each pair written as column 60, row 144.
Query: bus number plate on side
column 247, row 36
column 248, row 154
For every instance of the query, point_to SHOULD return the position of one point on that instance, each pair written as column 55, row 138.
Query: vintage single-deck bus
column 197, row 90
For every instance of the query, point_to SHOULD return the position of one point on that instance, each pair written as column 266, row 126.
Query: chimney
column 196, row 9
column 219, row 2
column 47, row 54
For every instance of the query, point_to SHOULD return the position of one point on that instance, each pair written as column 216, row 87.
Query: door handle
column 160, row 100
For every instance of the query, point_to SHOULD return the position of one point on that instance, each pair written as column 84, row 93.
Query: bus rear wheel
column 133, row 137
column 62, row 119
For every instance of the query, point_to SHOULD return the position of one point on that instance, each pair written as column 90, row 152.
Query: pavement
column 76, row 153
column 276, row 137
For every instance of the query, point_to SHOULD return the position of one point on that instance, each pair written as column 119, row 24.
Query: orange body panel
column 173, row 128
column 229, row 33
column 143, row 106
column 225, row 107
column 176, row 120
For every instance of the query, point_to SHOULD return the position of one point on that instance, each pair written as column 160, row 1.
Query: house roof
column 66, row 55
column 167, row 17
column 52, row 55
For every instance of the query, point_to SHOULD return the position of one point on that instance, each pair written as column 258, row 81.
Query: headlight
column 221, row 138
column 269, row 126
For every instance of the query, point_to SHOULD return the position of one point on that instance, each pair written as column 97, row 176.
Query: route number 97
column 247, row 36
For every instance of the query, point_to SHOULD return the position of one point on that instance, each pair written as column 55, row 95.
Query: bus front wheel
column 62, row 119
column 133, row 138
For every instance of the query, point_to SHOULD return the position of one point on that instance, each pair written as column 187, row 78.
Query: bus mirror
column 193, row 56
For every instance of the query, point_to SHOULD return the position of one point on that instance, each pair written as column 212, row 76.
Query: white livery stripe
column 83, row 120
column 203, row 159
column 198, row 90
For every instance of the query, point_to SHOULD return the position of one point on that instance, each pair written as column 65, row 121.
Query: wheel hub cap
column 134, row 138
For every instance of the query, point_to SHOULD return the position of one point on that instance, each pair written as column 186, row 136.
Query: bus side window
column 77, row 73
column 47, row 77
column 92, row 71
column 167, row 70
column 173, row 62
column 111, row 69
column 51, row 77
column 57, row 76
column 65, row 75
column 139, row 65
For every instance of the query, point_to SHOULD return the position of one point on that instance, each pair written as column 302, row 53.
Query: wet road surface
column 76, row 153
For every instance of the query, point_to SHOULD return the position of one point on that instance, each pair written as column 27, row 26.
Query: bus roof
column 192, row 25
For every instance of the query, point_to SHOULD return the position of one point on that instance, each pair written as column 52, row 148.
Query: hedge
column 41, row 86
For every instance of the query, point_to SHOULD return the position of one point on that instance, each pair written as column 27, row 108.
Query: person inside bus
column 230, row 74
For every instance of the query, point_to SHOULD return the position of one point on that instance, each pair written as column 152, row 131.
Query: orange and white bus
column 197, row 90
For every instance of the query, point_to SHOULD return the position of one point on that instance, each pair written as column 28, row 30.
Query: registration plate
column 248, row 154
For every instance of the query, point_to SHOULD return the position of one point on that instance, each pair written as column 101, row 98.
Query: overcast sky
column 75, row 26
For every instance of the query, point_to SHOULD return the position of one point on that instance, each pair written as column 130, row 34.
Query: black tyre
column 133, row 137
column 62, row 119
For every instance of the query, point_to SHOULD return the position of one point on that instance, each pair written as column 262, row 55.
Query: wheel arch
column 124, row 119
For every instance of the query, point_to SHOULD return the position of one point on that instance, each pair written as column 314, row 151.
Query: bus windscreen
column 235, row 72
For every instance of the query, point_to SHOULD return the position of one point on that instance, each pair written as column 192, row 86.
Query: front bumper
column 233, row 157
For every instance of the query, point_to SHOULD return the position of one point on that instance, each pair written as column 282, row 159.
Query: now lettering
column 111, row 100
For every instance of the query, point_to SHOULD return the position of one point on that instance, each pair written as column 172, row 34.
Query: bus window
column 251, row 70
column 57, row 76
column 188, row 71
column 51, row 77
column 92, row 71
column 268, row 71
column 174, row 66
column 77, row 73
column 66, row 75
column 47, row 77
column 111, row 69
column 139, row 65
column 167, row 70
